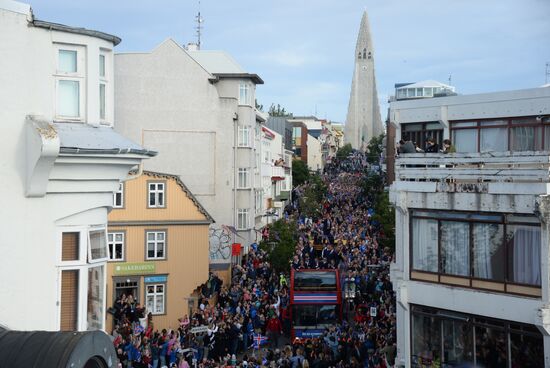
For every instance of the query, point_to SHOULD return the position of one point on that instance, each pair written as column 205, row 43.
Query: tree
column 259, row 106
column 374, row 149
column 300, row 172
column 278, row 111
column 384, row 213
column 283, row 236
column 311, row 200
column 344, row 151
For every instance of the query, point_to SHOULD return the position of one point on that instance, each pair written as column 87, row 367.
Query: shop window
column 155, row 298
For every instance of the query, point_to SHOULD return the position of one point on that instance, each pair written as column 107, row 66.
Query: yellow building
column 158, row 245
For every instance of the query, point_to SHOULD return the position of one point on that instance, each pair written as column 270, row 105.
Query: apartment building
column 472, row 234
column 61, row 163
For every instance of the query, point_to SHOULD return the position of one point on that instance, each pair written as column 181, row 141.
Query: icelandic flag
column 138, row 330
column 258, row 340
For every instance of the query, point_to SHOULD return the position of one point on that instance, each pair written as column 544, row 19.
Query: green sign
column 134, row 268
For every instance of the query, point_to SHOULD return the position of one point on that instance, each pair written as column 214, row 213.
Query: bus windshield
column 313, row 315
column 315, row 280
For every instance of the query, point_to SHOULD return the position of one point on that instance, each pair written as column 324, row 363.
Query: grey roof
column 78, row 30
column 78, row 138
column 222, row 65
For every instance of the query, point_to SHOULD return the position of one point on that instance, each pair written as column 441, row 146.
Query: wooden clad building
column 158, row 246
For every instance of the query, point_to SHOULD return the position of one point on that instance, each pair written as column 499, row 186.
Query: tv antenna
column 199, row 27
column 547, row 78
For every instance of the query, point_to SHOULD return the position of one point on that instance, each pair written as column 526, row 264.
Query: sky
column 304, row 49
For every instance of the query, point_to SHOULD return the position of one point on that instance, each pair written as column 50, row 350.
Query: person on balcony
column 431, row 146
column 448, row 146
column 406, row 147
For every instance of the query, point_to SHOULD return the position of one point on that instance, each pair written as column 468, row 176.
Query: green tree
column 278, row 111
column 384, row 213
column 259, row 106
column 283, row 236
column 344, row 151
column 312, row 198
column 374, row 148
column 300, row 172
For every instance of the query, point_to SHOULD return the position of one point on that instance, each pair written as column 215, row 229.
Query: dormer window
column 70, row 83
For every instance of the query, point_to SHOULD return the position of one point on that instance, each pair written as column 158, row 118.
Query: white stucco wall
column 314, row 155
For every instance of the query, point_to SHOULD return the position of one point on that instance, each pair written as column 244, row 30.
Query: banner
column 236, row 249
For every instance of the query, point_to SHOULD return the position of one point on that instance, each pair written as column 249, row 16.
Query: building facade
column 472, row 232
column 62, row 162
column 158, row 247
column 199, row 107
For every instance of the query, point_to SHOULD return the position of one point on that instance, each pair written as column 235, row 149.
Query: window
column 102, row 101
column 102, row 65
column 69, row 81
column 69, row 300
column 518, row 134
column 97, row 246
column 242, row 219
column 115, row 242
column 156, row 244
column 156, row 194
column 70, row 246
column 259, row 195
column 418, row 133
column 244, row 136
column 103, row 86
column 244, row 178
column 96, row 285
column 245, row 96
column 501, row 248
column 450, row 339
column 118, row 197
column 155, row 298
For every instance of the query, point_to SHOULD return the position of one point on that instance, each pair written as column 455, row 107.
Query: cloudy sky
column 304, row 49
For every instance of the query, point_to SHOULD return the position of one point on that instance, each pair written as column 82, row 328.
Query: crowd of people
column 247, row 323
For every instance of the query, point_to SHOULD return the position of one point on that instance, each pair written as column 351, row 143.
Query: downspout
column 235, row 140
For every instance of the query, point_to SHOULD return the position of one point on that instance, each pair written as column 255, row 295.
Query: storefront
column 442, row 338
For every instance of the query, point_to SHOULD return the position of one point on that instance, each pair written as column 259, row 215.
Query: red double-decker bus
column 315, row 302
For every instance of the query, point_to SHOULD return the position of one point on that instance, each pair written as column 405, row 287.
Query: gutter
column 112, row 151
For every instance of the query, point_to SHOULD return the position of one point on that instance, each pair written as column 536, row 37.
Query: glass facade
column 442, row 338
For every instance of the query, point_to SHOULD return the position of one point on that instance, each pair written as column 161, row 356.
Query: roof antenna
column 450, row 78
column 547, row 79
column 199, row 27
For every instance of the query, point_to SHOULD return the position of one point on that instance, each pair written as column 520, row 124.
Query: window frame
column 156, row 191
column 114, row 242
column 121, row 191
column 243, row 212
column 245, row 173
column 156, row 242
column 78, row 76
column 245, row 100
column 105, row 80
column 243, row 138
column 509, row 123
column 98, row 260
column 155, row 294
column 471, row 281
column 421, row 135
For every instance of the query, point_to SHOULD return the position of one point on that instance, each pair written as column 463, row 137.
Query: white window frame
column 155, row 243
column 102, row 259
column 121, row 192
column 105, row 81
column 245, row 223
column 154, row 295
column 245, row 95
column 259, row 195
column 111, row 244
column 78, row 76
column 156, row 191
column 243, row 179
column 243, row 136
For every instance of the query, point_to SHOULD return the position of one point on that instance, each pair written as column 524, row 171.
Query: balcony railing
column 488, row 167
column 277, row 172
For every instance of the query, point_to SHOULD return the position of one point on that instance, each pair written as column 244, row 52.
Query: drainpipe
column 235, row 141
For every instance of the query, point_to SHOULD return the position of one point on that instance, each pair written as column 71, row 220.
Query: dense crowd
column 248, row 323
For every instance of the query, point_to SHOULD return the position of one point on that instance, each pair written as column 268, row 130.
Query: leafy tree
column 283, row 236
column 344, row 151
column 312, row 197
column 384, row 213
column 300, row 172
column 278, row 111
column 259, row 106
column 374, row 149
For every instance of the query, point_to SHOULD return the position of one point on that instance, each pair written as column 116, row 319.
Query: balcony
column 277, row 173
column 490, row 172
column 284, row 195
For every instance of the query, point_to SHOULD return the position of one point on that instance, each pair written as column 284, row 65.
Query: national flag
column 258, row 340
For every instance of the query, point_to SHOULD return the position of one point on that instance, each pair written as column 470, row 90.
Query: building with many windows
column 199, row 107
column 158, row 246
column 61, row 163
column 472, row 232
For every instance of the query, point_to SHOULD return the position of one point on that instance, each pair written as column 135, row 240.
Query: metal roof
column 78, row 138
column 78, row 30
column 222, row 65
column 425, row 83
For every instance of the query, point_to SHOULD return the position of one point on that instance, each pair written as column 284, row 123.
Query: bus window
column 315, row 280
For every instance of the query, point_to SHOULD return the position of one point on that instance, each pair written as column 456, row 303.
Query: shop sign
column 151, row 279
column 134, row 268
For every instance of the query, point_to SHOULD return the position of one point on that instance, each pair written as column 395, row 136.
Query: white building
column 61, row 163
column 198, row 108
column 276, row 176
column 472, row 271
column 314, row 154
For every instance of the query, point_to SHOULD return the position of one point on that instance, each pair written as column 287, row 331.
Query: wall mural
column 220, row 243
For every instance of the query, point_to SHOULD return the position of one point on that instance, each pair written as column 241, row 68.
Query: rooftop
column 221, row 64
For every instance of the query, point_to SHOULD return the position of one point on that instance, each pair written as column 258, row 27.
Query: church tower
column 363, row 120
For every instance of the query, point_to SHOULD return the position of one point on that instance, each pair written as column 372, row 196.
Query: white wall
column 314, row 155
